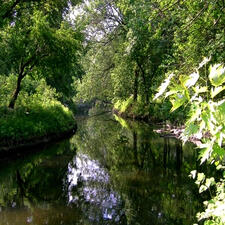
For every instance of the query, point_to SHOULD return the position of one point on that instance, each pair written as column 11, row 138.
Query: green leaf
column 190, row 80
column 209, row 182
column 200, row 178
column 178, row 101
column 218, row 151
column 221, row 111
column 171, row 92
column 191, row 129
column 217, row 75
column 199, row 90
column 215, row 91
column 204, row 61
column 202, row 188
column 205, row 117
column 206, row 152
column 163, row 86
column 193, row 174
column 195, row 114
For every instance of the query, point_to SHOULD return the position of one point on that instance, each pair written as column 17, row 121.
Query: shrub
column 37, row 113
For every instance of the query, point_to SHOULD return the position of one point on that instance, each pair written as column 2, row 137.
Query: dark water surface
column 107, row 173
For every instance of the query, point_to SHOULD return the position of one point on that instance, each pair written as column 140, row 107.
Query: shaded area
column 110, row 172
column 149, row 173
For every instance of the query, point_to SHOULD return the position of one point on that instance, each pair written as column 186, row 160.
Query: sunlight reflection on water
column 93, row 184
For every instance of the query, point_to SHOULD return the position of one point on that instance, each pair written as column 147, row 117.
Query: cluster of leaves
column 205, row 122
column 38, row 41
column 126, row 48
column 158, row 111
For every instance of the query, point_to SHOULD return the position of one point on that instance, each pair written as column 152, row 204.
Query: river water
column 110, row 172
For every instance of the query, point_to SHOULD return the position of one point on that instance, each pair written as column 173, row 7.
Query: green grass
column 22, row 125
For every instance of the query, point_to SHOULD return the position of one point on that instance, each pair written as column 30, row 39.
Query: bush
column 157, row 111
column 37, row 113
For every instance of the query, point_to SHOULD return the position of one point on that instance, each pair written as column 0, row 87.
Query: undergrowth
column 37, row 114
column 156, row 111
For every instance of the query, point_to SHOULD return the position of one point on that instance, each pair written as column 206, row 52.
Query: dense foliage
column 39, row 59
column 117, row 52
column 38, row 112
column 132, row 46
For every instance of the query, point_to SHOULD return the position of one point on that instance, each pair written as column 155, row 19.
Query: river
column 110, row 172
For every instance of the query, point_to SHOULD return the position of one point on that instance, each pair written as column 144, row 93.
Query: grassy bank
column 25, row 125
column 152, row 112
column 37, row 113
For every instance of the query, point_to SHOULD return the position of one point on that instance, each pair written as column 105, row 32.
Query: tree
column 38, row 43
column 140, row 41
column 11, row 10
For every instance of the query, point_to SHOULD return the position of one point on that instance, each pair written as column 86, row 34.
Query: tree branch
column 9, row 11
column 197, row 16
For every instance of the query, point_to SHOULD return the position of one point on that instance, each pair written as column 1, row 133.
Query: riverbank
column 28, row 127
column 152, row 112
column 165, row 128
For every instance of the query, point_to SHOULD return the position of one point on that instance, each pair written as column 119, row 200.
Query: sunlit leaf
column 206, row 152
column 209, row 182
column 217, row 74
column 205, row 60
column 221, row 111
column 164, row 86
column 202, row 188
column 178, row 101
column 171, row 92
column 191, row 80
column 215, row 91
column 195, row 115
column 199, row 90
column 191, row 128
column 193, row 174
column 200, row 178
column 218, row 151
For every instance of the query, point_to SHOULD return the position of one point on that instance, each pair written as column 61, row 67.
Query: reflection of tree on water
column 178, row 155
column 148, row 172
column 145, row 156
column 31, row 189
column 89, row 187
column 118, row 175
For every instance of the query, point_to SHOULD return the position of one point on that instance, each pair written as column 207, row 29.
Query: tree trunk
column 135, row 85
column 146, row 86
column 16, row 92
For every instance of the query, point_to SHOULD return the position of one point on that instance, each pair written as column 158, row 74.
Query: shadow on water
column 111, row 172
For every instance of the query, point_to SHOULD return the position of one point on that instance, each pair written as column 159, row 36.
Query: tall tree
column 39, row 43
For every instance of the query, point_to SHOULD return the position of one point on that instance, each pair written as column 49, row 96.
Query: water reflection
column 111, row 172
column 149, row 173
column 89, row 183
